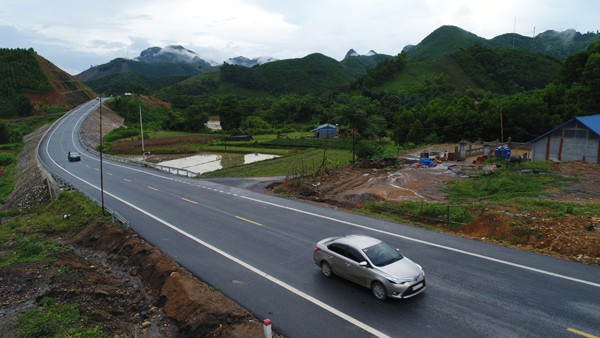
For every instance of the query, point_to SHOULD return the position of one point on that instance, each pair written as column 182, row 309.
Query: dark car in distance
column 73, row 156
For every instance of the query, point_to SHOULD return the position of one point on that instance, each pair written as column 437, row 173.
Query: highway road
column 257, row 250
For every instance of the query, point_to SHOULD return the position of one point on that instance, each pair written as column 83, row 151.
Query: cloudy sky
column 77, row 34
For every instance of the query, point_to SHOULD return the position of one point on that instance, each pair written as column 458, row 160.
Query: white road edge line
column 549, row 273
column 259, row 272
column 429, row 243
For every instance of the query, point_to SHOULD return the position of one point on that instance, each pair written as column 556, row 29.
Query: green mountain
column 358, row 65
column 30, row 84
column 450, row 38
column 559, row 45
column 501, row 71
column 121, row 75
column 145, row 69
column 314, row 73
column 444, row 40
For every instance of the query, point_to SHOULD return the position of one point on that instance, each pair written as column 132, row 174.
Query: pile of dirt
column 125, row 286
column 569, row 237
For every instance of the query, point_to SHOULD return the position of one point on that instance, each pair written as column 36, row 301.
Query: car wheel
column 378, row 291
column 326, row 269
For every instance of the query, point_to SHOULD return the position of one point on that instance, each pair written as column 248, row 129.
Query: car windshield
column 382, row 254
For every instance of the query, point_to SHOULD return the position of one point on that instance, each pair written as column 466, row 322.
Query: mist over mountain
column 158, row 67
column 551, row 43
column 171, row 54
column 246, row 62
column 353, row 53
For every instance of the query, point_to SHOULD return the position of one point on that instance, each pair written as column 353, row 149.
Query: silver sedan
column 371, row 263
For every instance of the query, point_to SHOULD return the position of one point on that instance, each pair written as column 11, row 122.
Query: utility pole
column 101, row 146
column 501, row 129
column 142, row 130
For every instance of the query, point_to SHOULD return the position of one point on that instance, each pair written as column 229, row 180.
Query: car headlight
column 397, row 280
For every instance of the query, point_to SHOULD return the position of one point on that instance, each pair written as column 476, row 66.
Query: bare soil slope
column 570, row 237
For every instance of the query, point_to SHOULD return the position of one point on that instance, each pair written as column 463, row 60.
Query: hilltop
column 551, row 43
column 30, row 84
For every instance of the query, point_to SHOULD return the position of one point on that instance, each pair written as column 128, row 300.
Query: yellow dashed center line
column 185, row 199
column 152, row 188
column 581, row 333
column 249, row 221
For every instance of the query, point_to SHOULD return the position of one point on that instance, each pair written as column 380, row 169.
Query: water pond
column 205, row 162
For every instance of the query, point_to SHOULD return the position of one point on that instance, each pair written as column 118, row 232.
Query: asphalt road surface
column 257, row 249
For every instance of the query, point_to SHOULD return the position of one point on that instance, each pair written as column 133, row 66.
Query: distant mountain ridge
column 353, row 53
column 172, row 54
column 246, row 62
column 158, row 68
column 450, row 38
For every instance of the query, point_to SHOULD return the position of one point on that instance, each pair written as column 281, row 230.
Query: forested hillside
column 446, row 39
column 443, row 40
column 123, row 75
column 463, row 93
column 31, row 84
column 33, row 91
column 312, row 74
column 20, row 73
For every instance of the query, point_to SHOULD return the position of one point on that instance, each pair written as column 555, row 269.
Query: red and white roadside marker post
column 267, row 328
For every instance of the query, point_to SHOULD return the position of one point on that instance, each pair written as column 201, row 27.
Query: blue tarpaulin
column 426, row 162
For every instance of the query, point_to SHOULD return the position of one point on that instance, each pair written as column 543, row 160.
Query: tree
column 255, row 125
column 591, row 78
column 228, row 110
column 4, row 133
column 195, row 119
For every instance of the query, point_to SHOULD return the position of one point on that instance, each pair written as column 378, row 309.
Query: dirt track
column 569, row 237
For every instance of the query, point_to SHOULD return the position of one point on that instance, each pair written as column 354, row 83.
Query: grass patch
column 7, row 180
column 8, row 167
column 454, row 215
column 506, row 184
column 70, row 211
column 298, row 163
column 55, row 320
column 242, row 148
column 32, row 249
column 26, row 237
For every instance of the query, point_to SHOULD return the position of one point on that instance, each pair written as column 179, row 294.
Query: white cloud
column 282, row 29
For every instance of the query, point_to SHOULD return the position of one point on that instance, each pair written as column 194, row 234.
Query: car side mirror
column 364, row 264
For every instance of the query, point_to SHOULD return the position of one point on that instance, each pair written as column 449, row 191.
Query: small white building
column 574, row 140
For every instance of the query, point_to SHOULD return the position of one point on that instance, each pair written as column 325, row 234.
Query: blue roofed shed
column 575, row 140
column 326, row 131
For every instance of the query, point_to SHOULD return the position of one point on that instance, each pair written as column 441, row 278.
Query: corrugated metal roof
column 590, row 121
column 325, row 126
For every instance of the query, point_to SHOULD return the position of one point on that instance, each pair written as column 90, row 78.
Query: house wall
column 326, row 133
column 573, row 142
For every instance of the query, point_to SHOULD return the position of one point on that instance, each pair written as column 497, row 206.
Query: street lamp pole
column 142, row 130
column 101, row 172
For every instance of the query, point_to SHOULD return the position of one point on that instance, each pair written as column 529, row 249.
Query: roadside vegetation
column 30, row 238
column 34, row 239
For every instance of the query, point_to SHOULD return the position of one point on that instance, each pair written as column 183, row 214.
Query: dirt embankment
column 118, row 281
column 570, row 236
